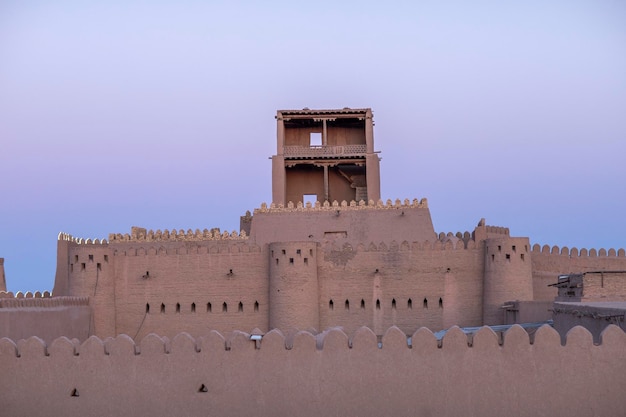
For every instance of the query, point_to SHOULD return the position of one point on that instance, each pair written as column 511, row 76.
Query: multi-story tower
column 325, row 155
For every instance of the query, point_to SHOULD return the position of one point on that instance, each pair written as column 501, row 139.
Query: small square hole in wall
column 90, row 258
column 309, row 198
column 291, row 261
column 508, row 256
column 298, row 251
column 316, row 139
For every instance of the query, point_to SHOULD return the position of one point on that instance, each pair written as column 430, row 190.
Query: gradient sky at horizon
column 160, row 114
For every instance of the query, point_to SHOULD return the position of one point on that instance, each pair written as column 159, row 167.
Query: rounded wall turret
column 293, row 286
column 85, row 269
column 507, row 277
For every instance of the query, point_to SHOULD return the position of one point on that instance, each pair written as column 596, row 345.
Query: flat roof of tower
column 307, row 111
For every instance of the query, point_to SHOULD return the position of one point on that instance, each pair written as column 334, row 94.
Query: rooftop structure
column 325, row 155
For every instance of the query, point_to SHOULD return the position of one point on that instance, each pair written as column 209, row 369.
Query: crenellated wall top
column 177, row 235
column 69, row 238
column 28, row 294
column 574, row 252
column 497, row 230
column 332, row 340
column 343, row 205
column 31, row 301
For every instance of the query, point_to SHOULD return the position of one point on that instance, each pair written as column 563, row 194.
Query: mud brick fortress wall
column 340, row 296
column 307, row 268
column 328, row 374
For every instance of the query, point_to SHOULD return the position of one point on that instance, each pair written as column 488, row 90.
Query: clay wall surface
column 550, row 262
column 294, row 286
column 343, row 135
column 168, row 282
column 344, row 222
column 331, row 374
column 528, row 311
column 26, row 315
column 432, row 285
column 308, row 179
column 508, row 275
column 607, row 286
column 337, row 135
column 301, row 180
column 168, row 287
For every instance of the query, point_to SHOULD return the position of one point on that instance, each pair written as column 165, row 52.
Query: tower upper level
column 325, row 155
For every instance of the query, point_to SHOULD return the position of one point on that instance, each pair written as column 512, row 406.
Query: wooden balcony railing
column 324, row 151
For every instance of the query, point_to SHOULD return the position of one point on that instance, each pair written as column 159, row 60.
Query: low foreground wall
column 324, row 375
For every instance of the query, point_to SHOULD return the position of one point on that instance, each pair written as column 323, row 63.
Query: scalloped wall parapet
column 575, row 252
column 42, row 302
column 178, row 236
column 28, row 294
column 343, row 205
column 334, row 339
column 69, row 238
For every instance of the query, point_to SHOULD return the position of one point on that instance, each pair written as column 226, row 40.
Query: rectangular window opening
column 90, row 258
column 291, row 261
column 316, row 139
column 83, row 266
column 99, row 266
column 306, row 261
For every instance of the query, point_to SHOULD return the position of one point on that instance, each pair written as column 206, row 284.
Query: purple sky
column 161, row 114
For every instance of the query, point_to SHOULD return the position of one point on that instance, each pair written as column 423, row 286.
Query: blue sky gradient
column 161, row 114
